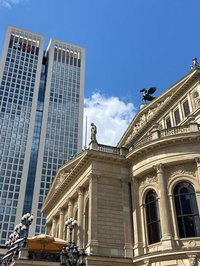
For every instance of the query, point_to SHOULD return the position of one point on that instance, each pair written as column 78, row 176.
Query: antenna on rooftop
column 85, row 147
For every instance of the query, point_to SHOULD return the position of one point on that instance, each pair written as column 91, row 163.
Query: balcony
column 171, row 134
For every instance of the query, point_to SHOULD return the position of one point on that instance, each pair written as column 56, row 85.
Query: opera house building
column 137, row 203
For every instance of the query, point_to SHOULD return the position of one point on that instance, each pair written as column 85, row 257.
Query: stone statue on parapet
column 93, row 133
column 195, row 63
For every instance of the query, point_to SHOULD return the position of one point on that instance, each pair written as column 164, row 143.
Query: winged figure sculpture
column 146, row 96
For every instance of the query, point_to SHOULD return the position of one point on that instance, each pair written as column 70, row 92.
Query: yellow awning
column 45, row 243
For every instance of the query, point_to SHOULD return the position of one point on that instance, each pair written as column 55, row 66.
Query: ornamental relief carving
column 63, row 175
column 181, row 169
column 192, row 259
column 196, row 99
column 141, row 121
column 147, row 180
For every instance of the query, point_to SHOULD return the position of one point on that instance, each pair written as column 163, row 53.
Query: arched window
column 186, row 210
column 152, row 217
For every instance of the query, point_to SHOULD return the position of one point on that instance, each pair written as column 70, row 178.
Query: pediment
column 63, row 174
column 167, row 108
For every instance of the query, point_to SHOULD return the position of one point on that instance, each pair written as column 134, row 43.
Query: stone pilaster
column 174, row 221
column 70, row 215
column 143, row 227
column 137, row 223
column 164, row 208
column 53, row 229
column 80, row 217
column 128, row 230
column 61, row 224
column 92, row 232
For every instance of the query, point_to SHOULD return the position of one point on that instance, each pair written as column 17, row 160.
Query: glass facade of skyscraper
column 41, row 113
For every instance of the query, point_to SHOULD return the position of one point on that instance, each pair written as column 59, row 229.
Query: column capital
column 61, row 211
column 54, row 219
column 159, row 168
column 197, row 160
column 93, row 178
column 70, row 202
column 80, row 191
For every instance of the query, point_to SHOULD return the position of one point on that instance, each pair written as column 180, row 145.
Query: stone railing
column 108, row 149
column 174, row 131
column 144, row 140
column 157, row 134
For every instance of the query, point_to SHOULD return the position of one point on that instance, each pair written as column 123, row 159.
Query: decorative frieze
column 191, row 244
column 144, row 118
column 181, row 169
column 147, row 180
column 61, row 176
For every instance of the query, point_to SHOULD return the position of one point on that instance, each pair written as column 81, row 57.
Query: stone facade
column 126, row 198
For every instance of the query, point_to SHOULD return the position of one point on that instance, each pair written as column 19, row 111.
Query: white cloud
column 9, row 3
column 111, row 116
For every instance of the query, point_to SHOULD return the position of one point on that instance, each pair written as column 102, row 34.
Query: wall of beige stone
column 110, row 217
column 179, row 163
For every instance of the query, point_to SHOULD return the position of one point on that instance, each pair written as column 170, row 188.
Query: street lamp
column 18, row 238
column 71, row 255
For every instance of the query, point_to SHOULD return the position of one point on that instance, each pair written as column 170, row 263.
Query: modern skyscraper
column 41, row 116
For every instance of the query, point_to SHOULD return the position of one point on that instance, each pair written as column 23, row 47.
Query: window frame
column 182, row 218
column 151, row 225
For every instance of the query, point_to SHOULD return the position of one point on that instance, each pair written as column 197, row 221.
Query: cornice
column 56, row 192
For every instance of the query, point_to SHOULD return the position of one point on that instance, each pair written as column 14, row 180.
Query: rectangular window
column 177, row 116
column 186, row 108
column 168, row 122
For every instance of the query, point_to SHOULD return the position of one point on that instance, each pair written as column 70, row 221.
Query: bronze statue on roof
column 146, row 96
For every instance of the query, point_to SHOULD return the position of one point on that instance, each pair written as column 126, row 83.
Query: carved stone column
column 174, row 221
column 128, row 230
column 137, row 222
column 165, row 214
column 69, row 215
column 80, row 218
column 92, row 232
column 53, row 229
column 48, row 229
column 61, row 223
column 143, row 226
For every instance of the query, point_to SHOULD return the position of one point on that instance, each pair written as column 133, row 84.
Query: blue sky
column 130, row 44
